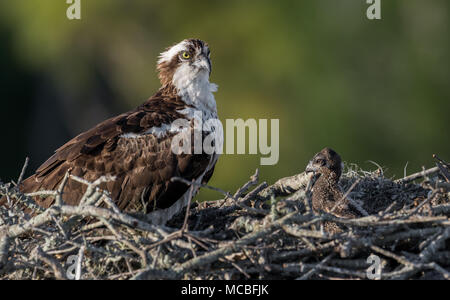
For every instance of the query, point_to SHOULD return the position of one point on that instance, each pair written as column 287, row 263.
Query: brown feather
column 143, row 166
column 326, row 195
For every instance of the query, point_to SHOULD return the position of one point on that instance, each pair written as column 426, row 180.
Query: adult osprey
column 136, row 147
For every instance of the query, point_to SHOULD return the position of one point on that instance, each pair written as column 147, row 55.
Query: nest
column 259, row 232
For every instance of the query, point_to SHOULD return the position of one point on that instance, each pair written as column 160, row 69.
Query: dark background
column 372, row 90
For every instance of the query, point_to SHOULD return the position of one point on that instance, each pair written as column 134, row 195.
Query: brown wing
column 148, row 186
column 143, row 166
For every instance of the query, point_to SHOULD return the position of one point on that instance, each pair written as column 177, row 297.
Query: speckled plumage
column 326, row 194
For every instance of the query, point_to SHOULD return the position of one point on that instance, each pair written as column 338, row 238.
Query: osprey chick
column 136, row 147
column 326, row 194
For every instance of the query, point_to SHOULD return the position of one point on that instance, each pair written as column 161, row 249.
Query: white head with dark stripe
column 186, row 61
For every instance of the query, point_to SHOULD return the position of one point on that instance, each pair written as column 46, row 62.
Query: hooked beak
column 310, row 168
column 203, row 64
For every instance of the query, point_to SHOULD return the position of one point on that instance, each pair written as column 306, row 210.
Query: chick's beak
column 310, row 168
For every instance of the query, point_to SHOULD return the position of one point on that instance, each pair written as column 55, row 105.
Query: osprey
column 326, row 167
column 327, row 196
column 136, row 147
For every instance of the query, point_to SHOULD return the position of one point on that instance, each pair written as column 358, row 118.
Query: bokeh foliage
column 372, row 90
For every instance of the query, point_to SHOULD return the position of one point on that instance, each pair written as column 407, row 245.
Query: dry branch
column 259, row 231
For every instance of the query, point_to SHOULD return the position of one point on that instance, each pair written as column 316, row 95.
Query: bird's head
column 185, row 62
column 326, row 161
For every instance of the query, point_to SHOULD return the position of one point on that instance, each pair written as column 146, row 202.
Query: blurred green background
column 372, row 90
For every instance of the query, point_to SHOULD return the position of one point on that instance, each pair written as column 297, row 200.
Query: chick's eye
column 186, row 55
column 320, row 161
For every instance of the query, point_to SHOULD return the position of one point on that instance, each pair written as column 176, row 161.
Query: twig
column 184, row 228
column 59, row 199
column 286, row 186
column 435, row 246
column 80, row 257
column 253, row 181
column 22, row 173
column 345, row 196
column 226, row 194
column 317, row 267
column 53, row 263
column 4, row 247
column 418, row 175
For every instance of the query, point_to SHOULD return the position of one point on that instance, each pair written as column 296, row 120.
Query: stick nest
column 259, row 232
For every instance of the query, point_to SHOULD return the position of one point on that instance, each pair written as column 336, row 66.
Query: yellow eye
column 186, row 55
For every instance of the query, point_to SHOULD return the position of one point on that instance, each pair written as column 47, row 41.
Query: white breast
column 197, row 92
